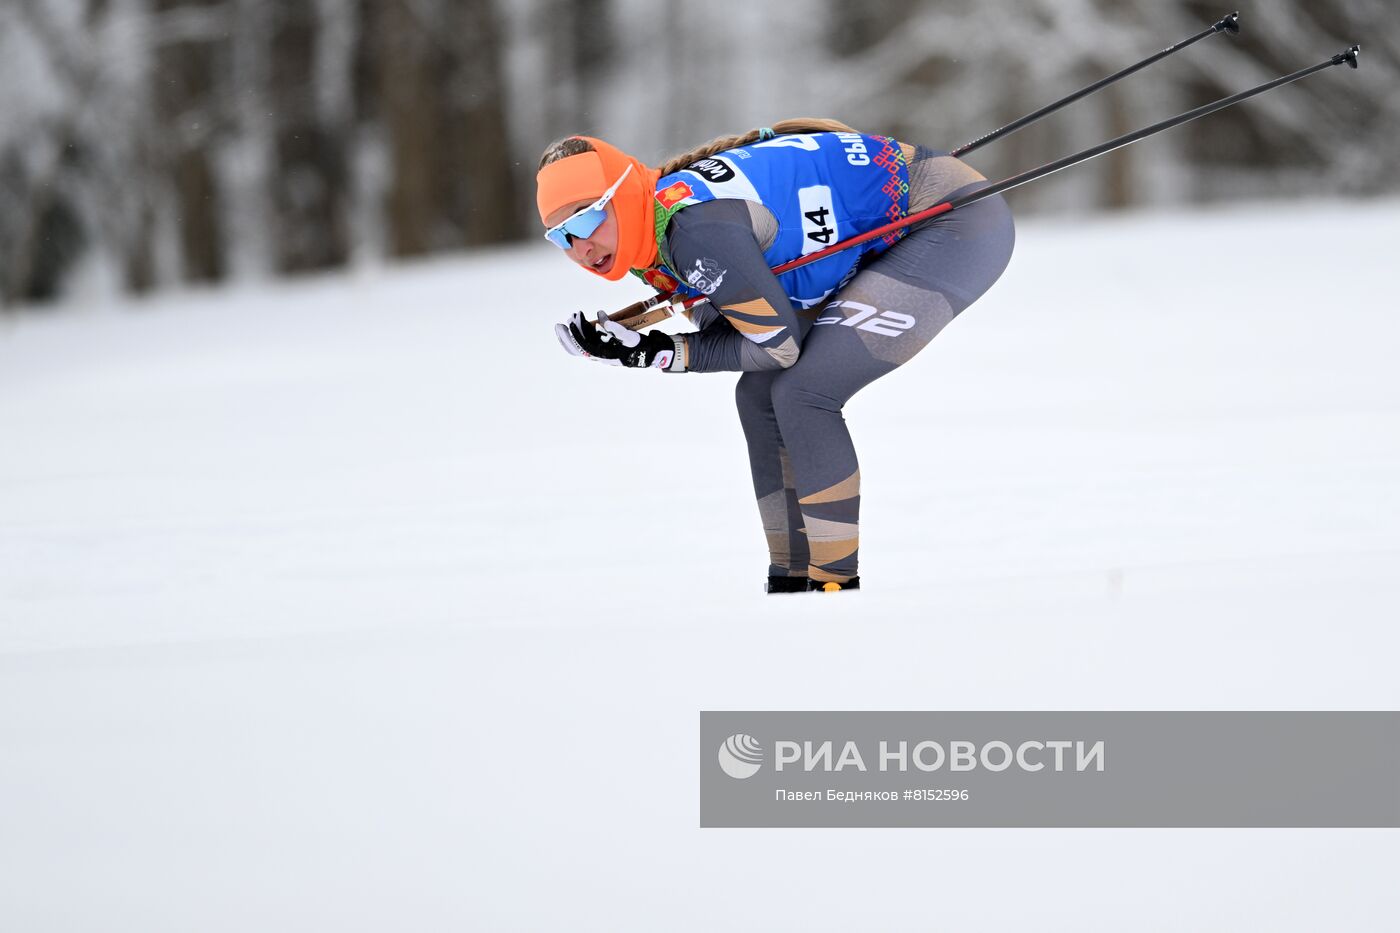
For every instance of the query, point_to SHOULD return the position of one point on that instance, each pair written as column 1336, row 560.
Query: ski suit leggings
column 805, row 473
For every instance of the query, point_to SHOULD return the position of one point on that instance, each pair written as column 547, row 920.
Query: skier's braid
column 573, row 145
column 781, row 128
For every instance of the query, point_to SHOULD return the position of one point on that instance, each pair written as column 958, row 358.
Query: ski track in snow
column 355, row 604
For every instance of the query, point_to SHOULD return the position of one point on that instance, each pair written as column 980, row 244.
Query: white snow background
column 355, row 604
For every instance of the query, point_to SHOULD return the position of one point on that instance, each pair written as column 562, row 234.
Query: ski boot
column 817, row 586
column 786, row 585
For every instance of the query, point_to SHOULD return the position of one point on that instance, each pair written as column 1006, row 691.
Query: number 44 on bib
column 819, row 226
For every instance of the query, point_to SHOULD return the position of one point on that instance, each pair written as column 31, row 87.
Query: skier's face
column 593, row 252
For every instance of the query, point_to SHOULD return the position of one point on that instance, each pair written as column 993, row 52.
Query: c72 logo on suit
column 867, row 317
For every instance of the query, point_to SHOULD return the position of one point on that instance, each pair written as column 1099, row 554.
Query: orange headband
column 584, row 177
column 568, row 181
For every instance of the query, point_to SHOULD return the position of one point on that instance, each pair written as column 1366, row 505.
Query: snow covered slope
column 355, row 604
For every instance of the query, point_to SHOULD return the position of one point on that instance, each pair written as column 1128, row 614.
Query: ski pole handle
column 632, row 312
column 653, row 310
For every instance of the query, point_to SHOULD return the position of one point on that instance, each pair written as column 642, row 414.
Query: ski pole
column 1349, row 57
column 1229, row 24
column 661, row 307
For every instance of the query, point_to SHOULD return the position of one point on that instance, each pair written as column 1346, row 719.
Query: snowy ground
column 357, row 605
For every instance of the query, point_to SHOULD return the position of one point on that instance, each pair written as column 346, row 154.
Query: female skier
column 712, row 223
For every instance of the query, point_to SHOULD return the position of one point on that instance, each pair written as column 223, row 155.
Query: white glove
column 614, row 344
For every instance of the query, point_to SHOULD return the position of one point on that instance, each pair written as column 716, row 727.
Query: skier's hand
column 614, row 344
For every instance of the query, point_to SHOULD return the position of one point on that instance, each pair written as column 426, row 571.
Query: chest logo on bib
column 674, row 194
column 712, row 170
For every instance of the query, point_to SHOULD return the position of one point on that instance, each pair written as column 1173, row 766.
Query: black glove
column 615, row 344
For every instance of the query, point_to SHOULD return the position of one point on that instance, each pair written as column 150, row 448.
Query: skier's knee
column 791, row 395
column 753, row 392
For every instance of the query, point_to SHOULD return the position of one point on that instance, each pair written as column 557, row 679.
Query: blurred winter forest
column 147, row 143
